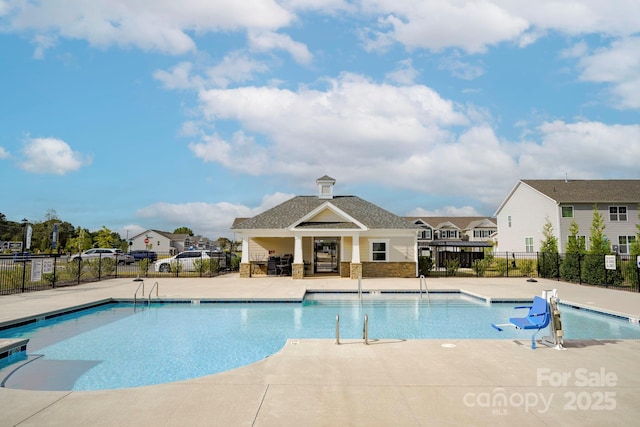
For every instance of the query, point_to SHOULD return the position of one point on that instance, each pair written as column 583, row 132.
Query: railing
column 337, row 329
column 155, row 286
column 424, row 280
column 365, row 330
column 135, row 295
column 47, row 271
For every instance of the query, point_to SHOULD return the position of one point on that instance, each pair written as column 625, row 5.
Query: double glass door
column 325, row 255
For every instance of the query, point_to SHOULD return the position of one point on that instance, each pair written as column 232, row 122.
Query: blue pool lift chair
column 537, row 318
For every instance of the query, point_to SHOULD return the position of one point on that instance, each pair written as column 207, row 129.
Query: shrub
column 425, row 265
column 526, row 266
column 570, row 268
column 501, row 266
column 451, row 265
column 479, row 267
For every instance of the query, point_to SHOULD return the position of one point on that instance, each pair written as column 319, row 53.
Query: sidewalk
column 390, row 382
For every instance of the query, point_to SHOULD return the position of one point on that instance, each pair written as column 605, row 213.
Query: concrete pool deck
column 389, row 382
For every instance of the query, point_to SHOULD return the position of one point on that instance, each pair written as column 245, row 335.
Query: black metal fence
column 39, row 272
column 619, row 272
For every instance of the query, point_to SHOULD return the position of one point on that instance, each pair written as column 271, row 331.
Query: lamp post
column 25, row 221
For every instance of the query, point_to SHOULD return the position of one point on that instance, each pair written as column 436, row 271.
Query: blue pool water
column 119, row 345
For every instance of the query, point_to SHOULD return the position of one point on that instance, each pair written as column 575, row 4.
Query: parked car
column 96, row 253
column 141, row 254
column 187, row 260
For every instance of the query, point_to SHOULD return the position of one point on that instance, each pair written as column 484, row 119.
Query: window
column 567, row 212
column 617, row 213
column 482, row 233
column 425, row 234
column 379, row 249
column 528, row 244
column 448, row 234
column 624, row 244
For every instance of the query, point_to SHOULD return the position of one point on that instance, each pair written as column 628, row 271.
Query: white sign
column 47, row 266
column 36, row 270
column 638, row 260
column 610, row 262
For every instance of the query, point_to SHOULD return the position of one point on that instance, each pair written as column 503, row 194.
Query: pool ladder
column 141, row 285
column 424, row 280
column 365, row 329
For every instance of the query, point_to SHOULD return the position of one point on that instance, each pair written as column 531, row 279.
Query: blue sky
column 138, row 114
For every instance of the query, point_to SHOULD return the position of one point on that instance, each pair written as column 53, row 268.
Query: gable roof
column 462, row 222
column 168, row 235
column 291, row 212
column 588, row 191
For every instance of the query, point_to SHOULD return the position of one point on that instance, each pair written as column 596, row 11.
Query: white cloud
column 51, row 156
column 576, row 51
column 159, row 25
column 459, row 68
column 209, row 219
column 437, row 24
column 234, row 68
column 404, row 74
column 586, row 150
column 618, row 65
column 4, row 154
column 179, row 77
column 265, row 41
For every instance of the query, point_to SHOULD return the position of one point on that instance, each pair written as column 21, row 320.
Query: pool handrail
column 424, row 279
column 155, row 286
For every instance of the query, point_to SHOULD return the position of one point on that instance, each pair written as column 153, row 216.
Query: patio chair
column 537, row 318
column 284, row 267
column 272, row 265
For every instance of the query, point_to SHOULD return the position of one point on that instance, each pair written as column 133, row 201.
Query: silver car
column 187, row 260
column 96, row 253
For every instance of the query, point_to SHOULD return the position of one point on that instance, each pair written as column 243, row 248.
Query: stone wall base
column 345, row 269
column 297, row 271
column 356, row 271
column 245, row 270
column 388, row 269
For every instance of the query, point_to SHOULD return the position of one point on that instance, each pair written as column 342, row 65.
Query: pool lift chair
column 542, row 313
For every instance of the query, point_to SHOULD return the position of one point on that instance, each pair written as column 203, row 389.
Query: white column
column 355, row 248
column 245, row 250
column 297, row 250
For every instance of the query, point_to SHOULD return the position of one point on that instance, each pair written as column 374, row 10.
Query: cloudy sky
column 137, row 114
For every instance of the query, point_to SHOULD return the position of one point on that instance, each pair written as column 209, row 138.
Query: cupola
column 325, row 187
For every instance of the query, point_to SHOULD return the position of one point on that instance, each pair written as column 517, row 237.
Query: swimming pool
column 121, row 345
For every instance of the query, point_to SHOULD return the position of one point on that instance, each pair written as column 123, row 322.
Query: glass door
column 325, row 255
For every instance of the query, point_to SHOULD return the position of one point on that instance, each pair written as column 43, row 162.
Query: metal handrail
column 155, row 286
column 365, row 330
column 337, row 329
column 360, row 288
column 424, row 279
column 136, row 294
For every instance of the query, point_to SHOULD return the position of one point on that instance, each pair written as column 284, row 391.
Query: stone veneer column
column 356, row 270
column 245, row 270
column 297, row 271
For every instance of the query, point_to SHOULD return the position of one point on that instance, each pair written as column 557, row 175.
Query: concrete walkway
column 390, row 382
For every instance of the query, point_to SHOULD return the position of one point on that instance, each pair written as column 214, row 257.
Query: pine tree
column 549, row 252
column 570, row 267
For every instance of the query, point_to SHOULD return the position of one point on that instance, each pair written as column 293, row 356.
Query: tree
column 594, row 271
column 635, row 246
column 549, row 252
column 570, row 267
column 224, row 243
column 183, row 230
column 104, row 238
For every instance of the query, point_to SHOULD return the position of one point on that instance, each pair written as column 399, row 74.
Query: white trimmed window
column 617, row 213
column 624, row 244
column 528, row 244
column 379, row 250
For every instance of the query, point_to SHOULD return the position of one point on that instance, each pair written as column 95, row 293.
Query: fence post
column 638, row 276
column 580, row 269
column 24, row 273
column 55, row 267
column 558, row 266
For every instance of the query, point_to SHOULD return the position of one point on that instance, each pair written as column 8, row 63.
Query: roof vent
column 325, row 187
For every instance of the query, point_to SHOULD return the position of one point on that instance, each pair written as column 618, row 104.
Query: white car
column 187, row 260
column 96, row 253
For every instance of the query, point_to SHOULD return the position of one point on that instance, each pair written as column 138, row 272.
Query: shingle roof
column 462, row 222
column 291, row 211
column 588, row 191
